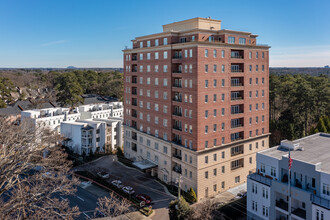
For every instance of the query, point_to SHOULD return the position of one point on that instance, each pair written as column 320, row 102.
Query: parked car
column 85, row 184
column 145, row 198
column 117, row 183
column 103, row 175
column 128, row 189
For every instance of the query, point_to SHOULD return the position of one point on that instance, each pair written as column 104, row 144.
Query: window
column 165, row 68
column 222, row 68
column 214, row 112
column 222, row 184
column 215, row 187
column 257, row 67
column 223, row 155
column 223, row 169
column 206, row 175
column 222, row 140
column 263, row 55
column 165, row 55
column 214, row 53
column 206, row 113
column 326, row 189
column 222, row 97
column 148, row 43
column 250, row 159
column 250, row 55
column 214, row 97
column 237, row 179
column 257, row 55
column 242, row 40
column 214, row 68
column 215, row 157
column 263, row 68
column 156, row 55
column 165, row 82
column 190, row 53
column 206, row 98
column 214, row 83
column 192, row 38
column 222, row 111
column 206, row 68
column 206, row 83
column 222, row 126
column 262, row 167
column 273, row 171
column 222, row 82
column 206, row 144
column 156, row 42
column 231, row 40
column 206, row 129
column 141, row 56
column 165, row 41
column 141, row 44
column 206, row 53
column 222, row 54
column 206, row 159
column 250, row 68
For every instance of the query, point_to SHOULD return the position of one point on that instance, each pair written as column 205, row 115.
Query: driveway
column 141, row 182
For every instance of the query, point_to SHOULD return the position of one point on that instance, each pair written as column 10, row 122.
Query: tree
column 180, row 209
column 205, row 210
column 34, row 171
column 321, row 126
column 192, row 195
column 6, row 87
column 112, row 206
column 69, row 91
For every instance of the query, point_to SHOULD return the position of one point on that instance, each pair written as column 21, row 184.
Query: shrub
column 180, row 209
column 191, row 196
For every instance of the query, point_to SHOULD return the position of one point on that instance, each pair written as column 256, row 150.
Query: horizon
column 88, row 33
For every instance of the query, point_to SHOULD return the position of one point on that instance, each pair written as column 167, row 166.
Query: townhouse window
column 250, row 55
column 148, row 43
column 223, row 68
column 165, row 41
column 190, row 53
column 206, row 83
column 206, row 68
column 214, row 127
column 206, row 174
column 206, row 113
column 206, row 98
column 206, row 129
column 206, row 159
column 165, row 55
column 214, row 112
column 214, row 53
column 206, row 144
column 206, row 53
column 214, row 68
column 214, row 97
column 214, row 83
column 141, row 56
column 156, row 42
column 222, row 54
column 141, row 44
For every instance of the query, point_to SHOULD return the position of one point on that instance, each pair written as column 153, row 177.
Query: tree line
column 297, row 103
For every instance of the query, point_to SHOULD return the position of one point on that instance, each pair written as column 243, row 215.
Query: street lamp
column 179, row 181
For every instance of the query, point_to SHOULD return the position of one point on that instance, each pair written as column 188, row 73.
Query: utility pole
column 179, row 186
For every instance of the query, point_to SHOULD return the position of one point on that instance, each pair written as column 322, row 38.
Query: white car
column 85, row 184
column 129, row 190
column 117, row 183
column 103, row 175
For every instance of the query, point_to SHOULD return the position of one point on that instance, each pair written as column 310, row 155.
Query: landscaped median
column 147, row 210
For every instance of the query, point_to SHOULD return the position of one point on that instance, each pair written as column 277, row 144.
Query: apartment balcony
column 134, row 115
column 134, row 102
column 237, row 95
column 237, row 54
column 237, row 167
column 177, row 113
column 177, row 141
column 178, row 156
column 177, row 169
column 259, row 178
column 237, row 136
column 282, row 205
column 177, row 99
column 134, row 91
column 134, row 68
column 177, row 85
column 235, row 153
column 325, row 203
column 237, row 68
column 176, row 71
column 134, row 136
column 299, row 212
column 176, row 127
column 177, row 56
column 134, row 80
column 237, row 81
column 134, row 57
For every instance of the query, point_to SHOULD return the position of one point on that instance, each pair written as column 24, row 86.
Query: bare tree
column 207, row 211
column 34, row 172
column 113, row 206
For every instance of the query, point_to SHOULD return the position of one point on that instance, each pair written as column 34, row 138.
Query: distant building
column 327, row 66
column 267, row 189
column 50, row 117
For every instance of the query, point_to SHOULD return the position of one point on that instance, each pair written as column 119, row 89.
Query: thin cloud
column 53, row 43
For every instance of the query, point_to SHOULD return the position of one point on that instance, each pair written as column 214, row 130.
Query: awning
column 145, row 164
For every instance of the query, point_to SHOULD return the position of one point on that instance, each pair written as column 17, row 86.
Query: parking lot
column 141, row 182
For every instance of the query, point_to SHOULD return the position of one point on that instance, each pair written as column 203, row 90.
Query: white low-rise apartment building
column 50, row 117
column 84, row 136
column 267, row 189
column 101, row 111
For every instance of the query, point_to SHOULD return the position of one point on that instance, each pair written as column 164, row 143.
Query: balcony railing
column 134, row 92
column 134, row 80
column 282, row 205
column 236, row 70
column 259, row 178
column 237, row 57
column 237, row 125
column 237, row 153
column 237, row 167
column 134, row 103
column 134, row 58
column 177, row 156
column 177, row 141
column 299, row 212
column 320, row 201
column 177, row 169
column 177, row 113
column 237, row 98
column 134, row 115
column 177, row 71
column 179, row 128
column 177, row 99
column 177, row 56
column 177, row 85
column 236, row 84
column 237, row 112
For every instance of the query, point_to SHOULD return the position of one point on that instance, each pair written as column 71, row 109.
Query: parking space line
column 80, row 198
column 86, row 215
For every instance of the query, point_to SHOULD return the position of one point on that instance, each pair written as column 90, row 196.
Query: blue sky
column 92, row 33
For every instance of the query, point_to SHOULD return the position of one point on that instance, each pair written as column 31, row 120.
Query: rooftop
column 313, row 149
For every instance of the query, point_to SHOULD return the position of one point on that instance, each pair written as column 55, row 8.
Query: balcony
column 177, row 169
column 320, row 201
column 134, row 57
column 237, row 96
column 177, row 141
column 134, row 102
column 177, row 127
column 237, row 123
column 177, row 99
column 259, row 178
column 177, row 113
column 282, row 204
column 134, row 114
column 177, row 85
column 237, row 54
column 134, row 68
column 177, row 71
column 134, row 136
column 237, row 136
column 177, row 156
column 237, row 68
column 237, row 81
column 134, row 80
column 299, row 212
column 134, row 91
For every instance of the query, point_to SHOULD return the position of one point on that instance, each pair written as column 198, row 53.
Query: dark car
column 144, row 197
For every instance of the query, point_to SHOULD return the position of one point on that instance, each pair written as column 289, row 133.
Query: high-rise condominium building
column 196, row 104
